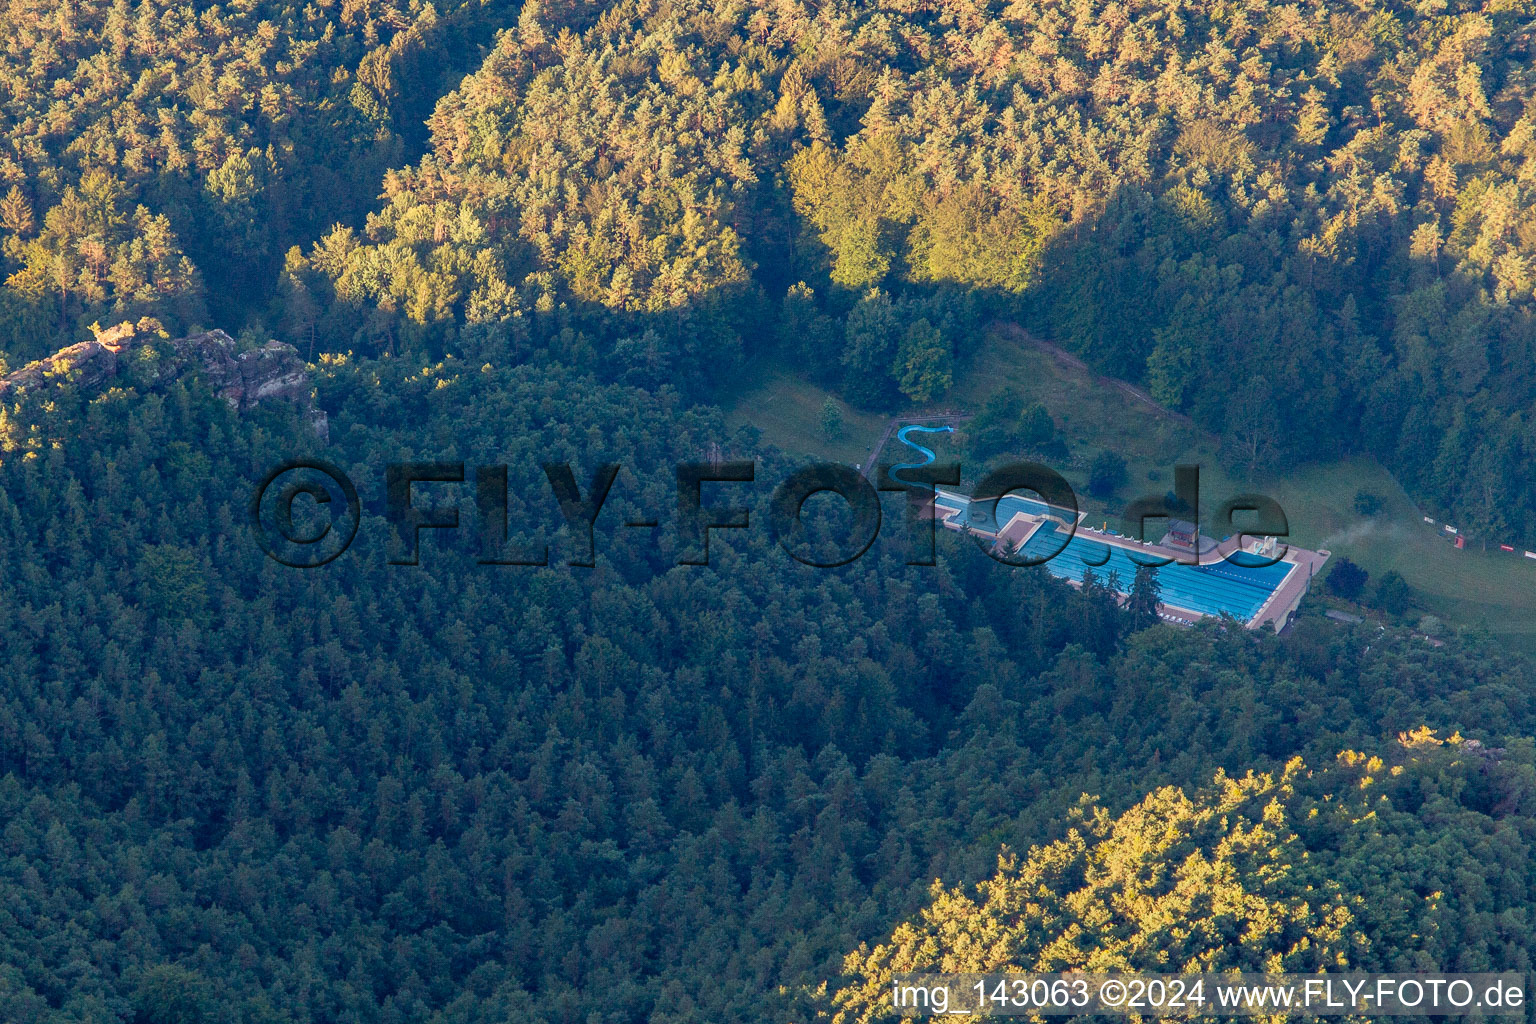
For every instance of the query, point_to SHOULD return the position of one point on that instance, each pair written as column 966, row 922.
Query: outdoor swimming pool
column 1238, row 590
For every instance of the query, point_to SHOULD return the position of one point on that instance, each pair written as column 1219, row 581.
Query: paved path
column 874, row 455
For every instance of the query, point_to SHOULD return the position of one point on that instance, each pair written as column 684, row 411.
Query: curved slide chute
column 926, row 452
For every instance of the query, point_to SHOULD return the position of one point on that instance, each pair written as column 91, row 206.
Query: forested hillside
column 645, row 791
column 159, row 158
column 1332, row 201
column 1331, row 204
column 1276, row 872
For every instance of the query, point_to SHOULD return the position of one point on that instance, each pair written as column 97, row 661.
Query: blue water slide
column 923, row 450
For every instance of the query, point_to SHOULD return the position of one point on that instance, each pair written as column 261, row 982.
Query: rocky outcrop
column 272, row 373
column 88, row 365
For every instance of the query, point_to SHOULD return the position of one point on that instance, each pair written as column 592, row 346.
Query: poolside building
column 1183, row 535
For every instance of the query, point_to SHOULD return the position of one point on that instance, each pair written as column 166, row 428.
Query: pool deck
column 1282, row 604
column 1276, row 611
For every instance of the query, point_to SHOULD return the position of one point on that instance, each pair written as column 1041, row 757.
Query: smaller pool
column 1008, row 506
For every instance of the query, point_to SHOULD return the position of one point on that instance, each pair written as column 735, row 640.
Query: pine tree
column 1146, row 593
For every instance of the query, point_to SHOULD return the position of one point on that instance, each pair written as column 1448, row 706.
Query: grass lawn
column 787, row 409
column 1469, row 587
column 1464, row 588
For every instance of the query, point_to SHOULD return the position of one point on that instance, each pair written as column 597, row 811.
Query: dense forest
column 648, row 791
column 1331, row 203
column 750, row 790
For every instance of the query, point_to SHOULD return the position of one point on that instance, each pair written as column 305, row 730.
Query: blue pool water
column 1008, row 506
column 1237, row 589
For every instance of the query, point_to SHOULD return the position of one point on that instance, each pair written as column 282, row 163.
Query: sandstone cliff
column 273, row 372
